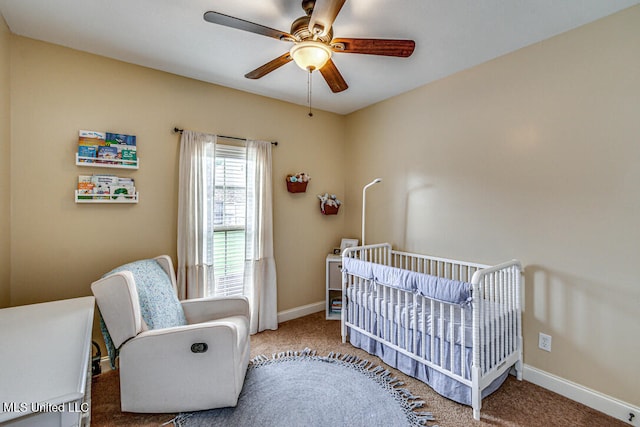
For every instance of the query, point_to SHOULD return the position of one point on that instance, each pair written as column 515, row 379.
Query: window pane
column 230, row 192
column 229, row 262
column 229, row 222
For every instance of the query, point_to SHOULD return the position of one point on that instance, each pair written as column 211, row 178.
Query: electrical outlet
column 544, row 342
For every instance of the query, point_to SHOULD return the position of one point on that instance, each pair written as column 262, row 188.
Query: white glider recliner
column 189, row 355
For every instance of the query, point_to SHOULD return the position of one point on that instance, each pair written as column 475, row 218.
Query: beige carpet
column 516, row 403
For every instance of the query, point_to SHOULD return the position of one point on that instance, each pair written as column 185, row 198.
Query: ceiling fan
column 313, row 42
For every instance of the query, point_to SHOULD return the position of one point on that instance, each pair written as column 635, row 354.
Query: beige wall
column 58, row 247
column 5, row 177
column 535, row 156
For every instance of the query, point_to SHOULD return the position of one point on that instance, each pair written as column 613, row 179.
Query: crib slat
column 510, row 310
column 492, row 324
column 361, row 311
column 481, row 309
column 423, row 319
column 378, row 308
column 415, row 324
column 452, row 338
column 386, row 313
column 463, row 333
column 432, row 303
column 389, row 318
column 407, row 322
column 398, row 318
column 502, row 327
column 407, row 319
column 441, row 333
column 395, row 301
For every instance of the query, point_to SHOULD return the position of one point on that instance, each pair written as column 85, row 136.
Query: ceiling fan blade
column 269, row 67
column 384, row 47
column 323, row 15
column 241, row 24
column 333, row 77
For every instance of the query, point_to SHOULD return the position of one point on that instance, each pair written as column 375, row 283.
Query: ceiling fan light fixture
column 310, row 55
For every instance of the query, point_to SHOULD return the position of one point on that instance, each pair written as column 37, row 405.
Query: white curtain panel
column 195, row 215
column 260, row 268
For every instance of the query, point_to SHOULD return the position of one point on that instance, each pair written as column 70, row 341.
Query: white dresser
column 45, row 352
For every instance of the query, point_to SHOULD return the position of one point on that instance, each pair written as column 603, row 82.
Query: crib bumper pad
column 433, row 287
column 406, row 315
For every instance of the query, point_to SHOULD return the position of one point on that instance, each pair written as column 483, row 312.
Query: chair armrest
column 212, row 308
column 117, row 299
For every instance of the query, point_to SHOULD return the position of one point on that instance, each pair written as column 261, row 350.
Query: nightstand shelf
column 333, row 301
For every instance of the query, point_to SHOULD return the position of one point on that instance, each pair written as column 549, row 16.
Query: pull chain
column 309, row 91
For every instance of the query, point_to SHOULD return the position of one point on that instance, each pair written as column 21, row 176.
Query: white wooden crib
column 455, row 325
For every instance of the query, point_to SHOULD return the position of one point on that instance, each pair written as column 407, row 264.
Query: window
column 225, row 230
column 229, row 219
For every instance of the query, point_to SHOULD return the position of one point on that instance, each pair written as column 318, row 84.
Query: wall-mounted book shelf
column 106, row 198
column 106, row 150
column 112, row 163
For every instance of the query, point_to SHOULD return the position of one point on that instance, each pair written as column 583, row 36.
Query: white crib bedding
column 374, row 305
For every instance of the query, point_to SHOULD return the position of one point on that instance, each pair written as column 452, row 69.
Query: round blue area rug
column 301, row 389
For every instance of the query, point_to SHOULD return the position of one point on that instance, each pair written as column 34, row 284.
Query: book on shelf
column 126, row 153
column 88, row 143
column 107, row 148
column 122, row 192
column 103, row 187
column 91, row 134
column 336, row 305
column 107, row 154
column 85, row 187
column 85, row 151
column 120, row 139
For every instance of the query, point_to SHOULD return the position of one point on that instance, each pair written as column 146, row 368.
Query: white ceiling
column 171, row 35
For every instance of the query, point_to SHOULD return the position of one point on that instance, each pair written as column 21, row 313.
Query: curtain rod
column 178, row 130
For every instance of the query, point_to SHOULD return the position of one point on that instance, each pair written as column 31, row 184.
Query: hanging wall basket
column 296, row 187
column 330, row 210
column 329, row 204
column 297, row 183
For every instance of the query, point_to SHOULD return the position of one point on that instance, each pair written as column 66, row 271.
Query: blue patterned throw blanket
column 159, row 304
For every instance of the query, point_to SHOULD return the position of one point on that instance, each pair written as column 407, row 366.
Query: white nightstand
column 333, row 302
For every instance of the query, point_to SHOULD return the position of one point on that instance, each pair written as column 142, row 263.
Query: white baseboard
column 301, row 311
column 105, row 364
column 581, row 394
